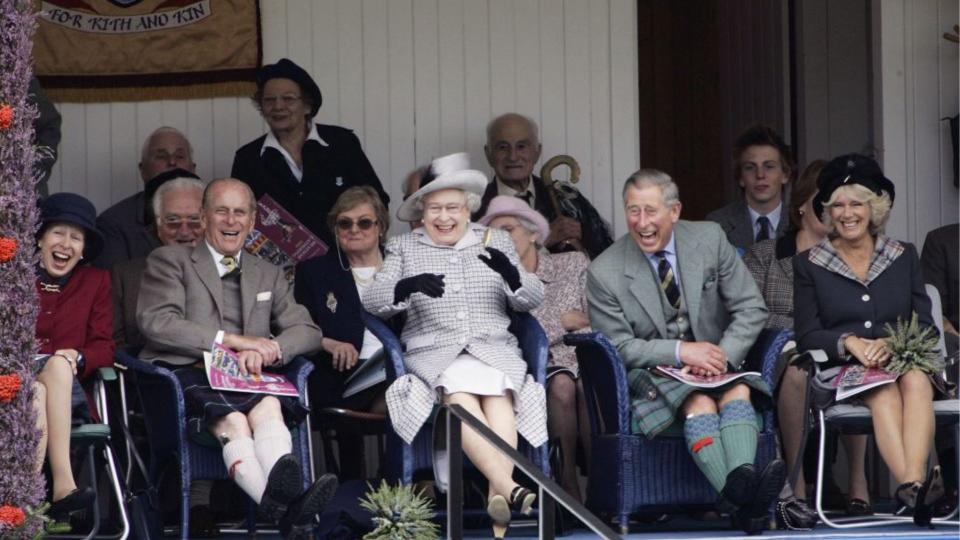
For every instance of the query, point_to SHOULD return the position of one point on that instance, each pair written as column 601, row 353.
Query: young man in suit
column 193, row 297
column 675, row 293
column 763, row 166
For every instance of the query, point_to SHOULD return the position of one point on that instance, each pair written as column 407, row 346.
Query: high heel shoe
column 76, row 500
column 499, row 511
column 929, row 493
column 906, row 494
column 522, row 499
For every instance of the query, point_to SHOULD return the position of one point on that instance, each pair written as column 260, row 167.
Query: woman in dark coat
column 303, row 166
column 329, row 286
column 74, row 331
column 847, row 289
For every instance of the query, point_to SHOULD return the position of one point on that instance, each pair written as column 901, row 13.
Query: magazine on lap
column 223, row 372
column 854, row 379
column 686, row 377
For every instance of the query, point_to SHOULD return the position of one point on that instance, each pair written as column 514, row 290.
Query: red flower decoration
column 12, row 516
column 8, row 248
column 6, row 116
column 9, row 386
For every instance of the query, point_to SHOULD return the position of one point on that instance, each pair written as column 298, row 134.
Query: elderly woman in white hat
column 455, row 281
column 564, row 309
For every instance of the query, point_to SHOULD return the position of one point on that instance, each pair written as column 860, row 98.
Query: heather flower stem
column 20, row 485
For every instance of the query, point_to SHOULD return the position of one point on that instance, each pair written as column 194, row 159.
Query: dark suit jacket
column 828, row 305
column 79, row 317
column 735, row 220
column 126, row 232
column 940, row 254
column 328, row 171
column 180, row 306
column 125, row 279
column 595, row 234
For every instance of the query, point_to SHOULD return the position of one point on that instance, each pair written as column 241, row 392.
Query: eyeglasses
column 269, row 102
column 364, row 224
column 436, row 209
column 173, row 224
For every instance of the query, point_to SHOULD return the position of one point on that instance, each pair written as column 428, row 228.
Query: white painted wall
column 415, row 79
column 916, row 85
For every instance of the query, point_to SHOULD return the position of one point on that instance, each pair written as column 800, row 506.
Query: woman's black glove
column 502, row 265
column 428, row 284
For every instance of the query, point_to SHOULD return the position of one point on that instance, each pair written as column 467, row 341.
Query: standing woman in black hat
column 302, row 165
column 847, row 289
column 74, row 329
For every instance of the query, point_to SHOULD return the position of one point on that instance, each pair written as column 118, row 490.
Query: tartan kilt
column 206, row 406
column 655, row 400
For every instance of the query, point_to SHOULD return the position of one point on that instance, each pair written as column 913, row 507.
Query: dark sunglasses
column 363, row 224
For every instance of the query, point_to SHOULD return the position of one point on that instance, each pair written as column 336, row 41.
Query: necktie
column 526, row 196
column 667, row 280
column 764, row 232
column 230, row 263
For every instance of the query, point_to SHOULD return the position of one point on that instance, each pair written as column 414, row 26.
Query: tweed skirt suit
column 470, row 317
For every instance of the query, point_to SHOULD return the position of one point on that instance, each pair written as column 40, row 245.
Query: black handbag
column 143, row 503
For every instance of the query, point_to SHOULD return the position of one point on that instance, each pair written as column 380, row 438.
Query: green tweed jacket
column 723, row 302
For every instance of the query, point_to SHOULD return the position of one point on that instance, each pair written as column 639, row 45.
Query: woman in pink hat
column 564, row 309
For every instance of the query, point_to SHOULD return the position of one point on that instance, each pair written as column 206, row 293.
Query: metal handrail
column 549, row 491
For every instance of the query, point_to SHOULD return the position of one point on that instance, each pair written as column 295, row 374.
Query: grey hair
column 472, row 201
column 183, row 182
column 879, row 207
column 161, row 131
column 645, row 178
column 531, row 228
column 495, row 123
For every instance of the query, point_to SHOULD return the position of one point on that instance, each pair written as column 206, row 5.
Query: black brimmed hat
column 76, row 210
column 286, row 69
column 850, row 169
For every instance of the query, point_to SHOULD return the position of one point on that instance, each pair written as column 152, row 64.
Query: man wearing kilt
column 193, row 297
column 675, row 293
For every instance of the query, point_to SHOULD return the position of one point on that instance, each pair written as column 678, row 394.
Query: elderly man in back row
column 194, row 297
column 675, row 293
column 127, row 226
column 513, row 148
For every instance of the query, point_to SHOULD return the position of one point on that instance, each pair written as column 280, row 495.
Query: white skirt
column 471, row 375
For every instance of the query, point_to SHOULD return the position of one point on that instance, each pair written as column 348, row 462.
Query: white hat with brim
column 452, row 172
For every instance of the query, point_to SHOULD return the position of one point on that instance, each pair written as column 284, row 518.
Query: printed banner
column 134, row 50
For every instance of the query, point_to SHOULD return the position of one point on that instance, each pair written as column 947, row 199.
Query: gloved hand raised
column 502, row 265
column 428, row 284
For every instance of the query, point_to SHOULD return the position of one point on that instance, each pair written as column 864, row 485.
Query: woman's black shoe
column 927, row 496
column 76, row 500
column 794, row 514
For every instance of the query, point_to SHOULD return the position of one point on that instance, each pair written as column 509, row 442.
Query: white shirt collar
column 503, row 189
column 773, row 216
column 217, row 256
column 271, row 142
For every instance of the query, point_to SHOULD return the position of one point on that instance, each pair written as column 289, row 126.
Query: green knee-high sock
column 738, row 431
column 702, row 433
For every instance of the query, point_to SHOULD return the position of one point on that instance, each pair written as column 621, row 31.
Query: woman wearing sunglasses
column 330, row 286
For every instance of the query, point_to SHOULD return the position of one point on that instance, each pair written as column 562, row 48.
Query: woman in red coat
column 73, row 332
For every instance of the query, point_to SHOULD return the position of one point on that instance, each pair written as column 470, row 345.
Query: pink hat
column 505, row 205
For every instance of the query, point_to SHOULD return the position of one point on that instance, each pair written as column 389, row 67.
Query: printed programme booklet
column 858, row 378
column 371, row 371
column 280, row 238
column 223, row 372
column 702, row 382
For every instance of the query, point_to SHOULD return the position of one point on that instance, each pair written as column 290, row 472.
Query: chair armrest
column 604, row 382
column 298, row 371
column 766, row 352
column 393, row 357
column 107, row 374
column 533, row 343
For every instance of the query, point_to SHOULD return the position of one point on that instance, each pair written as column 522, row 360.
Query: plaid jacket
column 471, row 315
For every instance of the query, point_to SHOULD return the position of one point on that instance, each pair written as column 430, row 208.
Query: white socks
column 243, row 467
column 272, row 441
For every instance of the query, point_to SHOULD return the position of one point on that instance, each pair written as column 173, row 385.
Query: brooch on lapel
column 331, row 302
column 339, row 181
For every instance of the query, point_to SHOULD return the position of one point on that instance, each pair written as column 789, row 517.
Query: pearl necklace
column 362, row 281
